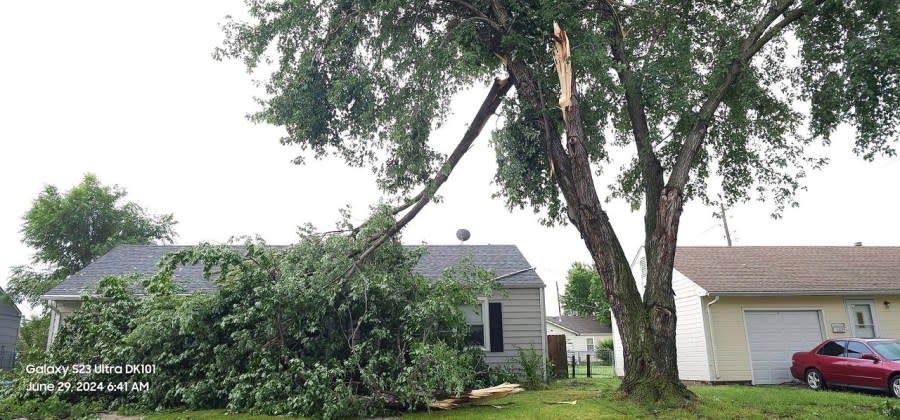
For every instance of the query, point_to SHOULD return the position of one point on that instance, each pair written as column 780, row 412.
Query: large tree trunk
column 646, row 325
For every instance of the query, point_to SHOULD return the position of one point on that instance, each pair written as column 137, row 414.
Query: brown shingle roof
column 791, row 269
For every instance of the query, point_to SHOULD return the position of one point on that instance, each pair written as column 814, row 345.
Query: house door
column 862, row 320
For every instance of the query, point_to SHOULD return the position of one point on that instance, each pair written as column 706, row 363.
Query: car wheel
column 894, row 387
column 814, row 380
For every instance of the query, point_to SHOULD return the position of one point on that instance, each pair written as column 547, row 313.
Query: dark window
column 833, row 348
column 855, row 350
column 475, row 336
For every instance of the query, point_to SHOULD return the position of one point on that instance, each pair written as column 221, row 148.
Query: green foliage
column 284, row 334
column 889, row 410
column 604, row 352
column 69, row 230
column 533, row 368
column 585, row 295
column 53, row 407
column 605, row 344
column 33, row 338
column 369, row 81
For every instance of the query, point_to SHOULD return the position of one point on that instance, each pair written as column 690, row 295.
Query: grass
column 594, row 400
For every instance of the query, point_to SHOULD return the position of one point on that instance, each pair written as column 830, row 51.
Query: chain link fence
column 598, row 364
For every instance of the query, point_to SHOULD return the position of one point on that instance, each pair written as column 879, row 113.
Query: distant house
column 742, row 311
column 512, row 318
column 10, row 319
column 583, row 334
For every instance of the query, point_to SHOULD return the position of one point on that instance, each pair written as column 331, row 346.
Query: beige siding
column 731, row 335
column 522, row 324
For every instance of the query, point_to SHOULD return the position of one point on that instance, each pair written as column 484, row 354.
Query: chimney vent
column 857, row 244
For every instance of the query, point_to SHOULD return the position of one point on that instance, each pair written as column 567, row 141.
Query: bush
column 605, row 352
column 533, row 368
column 285, row 333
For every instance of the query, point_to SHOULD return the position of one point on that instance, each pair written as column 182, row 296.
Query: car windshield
column 887, row 349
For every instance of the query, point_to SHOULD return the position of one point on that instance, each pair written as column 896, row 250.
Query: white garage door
column 774, row 336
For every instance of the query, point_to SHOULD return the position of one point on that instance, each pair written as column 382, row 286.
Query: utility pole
column 558, row 304
column 724, row 223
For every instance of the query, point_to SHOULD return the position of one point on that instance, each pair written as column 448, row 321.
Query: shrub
column 605, row 352
column 533, row 368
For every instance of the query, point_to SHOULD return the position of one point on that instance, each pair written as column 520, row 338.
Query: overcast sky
column 129, row 91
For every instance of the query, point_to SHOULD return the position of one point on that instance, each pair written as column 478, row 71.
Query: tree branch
column 760, row 34
column 476, row 13
column 651, row 169
column 488, row 107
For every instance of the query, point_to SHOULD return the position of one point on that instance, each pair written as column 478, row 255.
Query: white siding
column 575, row 342
column 690, row 332
column 59, row 311
column 522, row 325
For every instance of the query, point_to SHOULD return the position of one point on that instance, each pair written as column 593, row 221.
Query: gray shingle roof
column 580, row 324
column 505, row 260
column 791, row 269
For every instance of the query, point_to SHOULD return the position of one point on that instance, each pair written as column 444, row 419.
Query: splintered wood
column 563, row 68
column 477, row 395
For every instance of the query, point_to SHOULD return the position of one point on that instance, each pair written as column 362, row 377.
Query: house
column 510, row 319
column 583, row 334
column 10, row 319
column 742, row 311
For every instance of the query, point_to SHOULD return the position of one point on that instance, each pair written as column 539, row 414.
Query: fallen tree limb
column 478, row 395
column 488, row 108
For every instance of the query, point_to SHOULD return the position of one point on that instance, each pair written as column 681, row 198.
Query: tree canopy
column 584, row 295
column 70, row 229
column 369, row 81
column 711, row 97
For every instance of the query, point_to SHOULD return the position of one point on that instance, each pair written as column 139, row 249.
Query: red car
column 852, row 362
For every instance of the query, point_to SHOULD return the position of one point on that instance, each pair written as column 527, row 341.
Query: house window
column 589, row 344
column 862, row 318
column 477, row 319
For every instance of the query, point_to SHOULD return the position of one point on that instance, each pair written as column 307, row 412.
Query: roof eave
column 807, row 292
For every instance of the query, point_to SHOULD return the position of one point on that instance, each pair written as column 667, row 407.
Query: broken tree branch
column 488, row 107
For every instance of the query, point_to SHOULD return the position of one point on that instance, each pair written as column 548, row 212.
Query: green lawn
column 593, row 401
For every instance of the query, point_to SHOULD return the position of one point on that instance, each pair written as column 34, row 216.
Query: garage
column 773, row 336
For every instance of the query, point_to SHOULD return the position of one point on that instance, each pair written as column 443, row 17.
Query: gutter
column 807, row 292
column 712, row 335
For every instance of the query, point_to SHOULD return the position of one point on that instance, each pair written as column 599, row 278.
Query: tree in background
column 69, row 230
column 701, row 92
column 33, row 338
column 584, row 295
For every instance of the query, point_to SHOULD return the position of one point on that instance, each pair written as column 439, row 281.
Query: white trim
column 809, row 292
column 872, row 311
column 819, row 311
column 486, row 323
column 712, row 336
